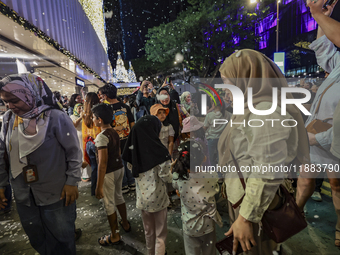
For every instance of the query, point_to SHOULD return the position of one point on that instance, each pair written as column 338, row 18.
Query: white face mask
column 162, row 97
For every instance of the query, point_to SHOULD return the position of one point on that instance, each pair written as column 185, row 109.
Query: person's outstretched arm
column 327, row 25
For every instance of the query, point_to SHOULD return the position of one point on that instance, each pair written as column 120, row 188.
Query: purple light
column 307, row 22
column 222, row 46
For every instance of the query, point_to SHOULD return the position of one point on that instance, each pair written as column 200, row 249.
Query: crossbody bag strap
column 323, row 93
column 241, row 179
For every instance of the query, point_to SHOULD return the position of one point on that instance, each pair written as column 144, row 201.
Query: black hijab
column 143, row 148
column 172, row 117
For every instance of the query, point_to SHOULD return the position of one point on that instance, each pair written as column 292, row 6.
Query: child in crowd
column 150, row 166
column 214, row 131
column 166, row 136
column 193, row 128
column 198, row 206
column 167, row 132
column 110, row 173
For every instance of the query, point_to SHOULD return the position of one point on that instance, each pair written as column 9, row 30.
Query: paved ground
column 316, row 239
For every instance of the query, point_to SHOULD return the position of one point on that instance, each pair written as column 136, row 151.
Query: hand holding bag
column 282, row 222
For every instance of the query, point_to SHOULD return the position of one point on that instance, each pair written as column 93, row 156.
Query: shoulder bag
column 285, row 220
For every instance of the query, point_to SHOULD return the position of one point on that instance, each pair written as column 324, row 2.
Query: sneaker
column 125, row 189
column 132, row 186
column 317, row 196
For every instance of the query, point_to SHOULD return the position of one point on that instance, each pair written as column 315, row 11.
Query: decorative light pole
column 277, row 24
column 277, row 21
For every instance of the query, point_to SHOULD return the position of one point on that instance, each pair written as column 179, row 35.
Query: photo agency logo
column 239, row 100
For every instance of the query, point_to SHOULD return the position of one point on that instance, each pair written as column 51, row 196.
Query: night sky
column 127, row 23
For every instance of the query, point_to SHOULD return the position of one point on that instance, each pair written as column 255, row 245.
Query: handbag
column 318, row 126
column 283, row 221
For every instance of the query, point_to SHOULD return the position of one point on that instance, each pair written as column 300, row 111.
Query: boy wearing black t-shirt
column 110, row 173
column 122, row 122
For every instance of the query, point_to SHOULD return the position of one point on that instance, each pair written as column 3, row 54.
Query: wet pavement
column 317, row 238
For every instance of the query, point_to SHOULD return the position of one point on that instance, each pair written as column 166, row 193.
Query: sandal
column 337, row 238
column 129, row 229
column 106, row 239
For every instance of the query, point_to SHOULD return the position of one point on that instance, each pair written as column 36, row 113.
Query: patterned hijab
column 32, row 90
column 75, row 113
column 29, row 130
column 249, row 68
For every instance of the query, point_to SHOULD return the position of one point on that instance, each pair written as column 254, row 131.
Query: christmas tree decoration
column 114, row 78
column 120, row 72
column 131, row 73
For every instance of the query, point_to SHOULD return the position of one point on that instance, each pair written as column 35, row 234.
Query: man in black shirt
column 123, row 121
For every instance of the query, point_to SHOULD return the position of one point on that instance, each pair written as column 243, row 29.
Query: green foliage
column 199, row 33
column 303, row 44
column 295, row 55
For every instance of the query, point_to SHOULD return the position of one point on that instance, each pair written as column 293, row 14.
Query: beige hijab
column 249, row 68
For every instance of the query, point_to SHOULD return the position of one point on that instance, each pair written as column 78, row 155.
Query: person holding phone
column 321, row 11
column 144, row 97
column 323, row 108
column 174, row 96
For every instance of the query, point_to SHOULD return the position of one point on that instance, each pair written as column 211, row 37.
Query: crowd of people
column 152, row 143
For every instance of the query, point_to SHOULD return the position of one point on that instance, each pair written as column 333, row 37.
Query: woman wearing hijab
column 268, row 145
column 44, row 163
column 151, row 169
column 186, row 102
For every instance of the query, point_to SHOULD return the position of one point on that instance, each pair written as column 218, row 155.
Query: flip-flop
column 126, row 231
column 337, row 238
column 107, row 241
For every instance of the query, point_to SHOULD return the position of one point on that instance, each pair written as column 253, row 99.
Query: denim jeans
column 50, row 228
column 91, row 151
column 128, row 177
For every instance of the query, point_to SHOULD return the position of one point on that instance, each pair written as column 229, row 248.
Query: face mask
column 162, row 97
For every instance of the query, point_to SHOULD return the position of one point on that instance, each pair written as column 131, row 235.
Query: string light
column 94, row 11
column 8, row 12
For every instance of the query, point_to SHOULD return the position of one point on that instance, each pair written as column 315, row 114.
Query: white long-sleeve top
column 198, row 204
column 151, row 188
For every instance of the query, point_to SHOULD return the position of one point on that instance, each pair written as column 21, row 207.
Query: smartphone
column 329, row 2
column 226, row 244
column 168, row 80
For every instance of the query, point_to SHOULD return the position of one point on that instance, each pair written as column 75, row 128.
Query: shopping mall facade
column 63, row 41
